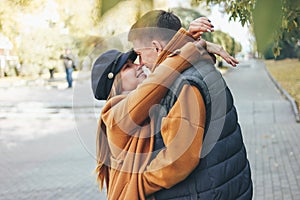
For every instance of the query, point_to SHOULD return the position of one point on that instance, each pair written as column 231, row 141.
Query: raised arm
column 202, row 25
column 182, row 131
column 134, row 109
column 220, row 51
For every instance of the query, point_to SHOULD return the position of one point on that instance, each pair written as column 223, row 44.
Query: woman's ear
column 157, row 46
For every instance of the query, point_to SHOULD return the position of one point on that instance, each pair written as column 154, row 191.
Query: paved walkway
column 270, row 132
column 47, row 148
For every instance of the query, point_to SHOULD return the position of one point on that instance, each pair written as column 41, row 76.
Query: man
column 223, row 171
column 69, row 64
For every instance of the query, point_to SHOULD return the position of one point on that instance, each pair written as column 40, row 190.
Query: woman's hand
column 200, row 26
column 220, row 51
column 228, row 58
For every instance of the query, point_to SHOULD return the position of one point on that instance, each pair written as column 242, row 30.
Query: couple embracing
column 171, row 133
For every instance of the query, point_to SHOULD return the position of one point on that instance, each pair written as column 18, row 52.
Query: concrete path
column 47, row 148
column 270, row 132
column 47, row 137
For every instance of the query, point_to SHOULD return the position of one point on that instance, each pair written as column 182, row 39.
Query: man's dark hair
column 155, row 24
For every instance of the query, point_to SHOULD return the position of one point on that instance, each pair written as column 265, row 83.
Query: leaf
column 267, row 17
column 276, row 51
column 295, row 23
column 285, row 23
column 107, row 5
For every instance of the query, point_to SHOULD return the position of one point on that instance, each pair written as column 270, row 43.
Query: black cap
column 105, row 68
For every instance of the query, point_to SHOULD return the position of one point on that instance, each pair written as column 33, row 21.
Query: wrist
column 201, row 44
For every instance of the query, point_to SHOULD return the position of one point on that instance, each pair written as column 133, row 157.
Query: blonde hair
column 103, row 151
column 103, row 155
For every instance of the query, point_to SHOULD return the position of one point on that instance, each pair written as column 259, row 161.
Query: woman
column 125, row 123
column 125, row 134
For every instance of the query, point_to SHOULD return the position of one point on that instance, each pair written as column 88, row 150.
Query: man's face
column 146, row 52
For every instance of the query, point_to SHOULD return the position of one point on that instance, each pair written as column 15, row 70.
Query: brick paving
column 270, row 132
column 47, row 148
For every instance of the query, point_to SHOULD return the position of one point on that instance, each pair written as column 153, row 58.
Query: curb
column 286, row 94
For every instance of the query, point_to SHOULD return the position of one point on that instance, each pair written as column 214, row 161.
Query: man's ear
column 157, row 46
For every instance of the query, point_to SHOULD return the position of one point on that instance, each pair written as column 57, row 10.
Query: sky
column 221, row 22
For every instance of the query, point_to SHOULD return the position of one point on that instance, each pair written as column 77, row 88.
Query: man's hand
column 200, row 26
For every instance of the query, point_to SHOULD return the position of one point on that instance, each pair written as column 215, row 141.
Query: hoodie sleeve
column 182, row 131
column 133, row 110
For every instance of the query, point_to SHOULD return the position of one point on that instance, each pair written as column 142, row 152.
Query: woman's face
column 132, row 75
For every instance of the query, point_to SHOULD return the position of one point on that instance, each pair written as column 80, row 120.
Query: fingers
column 228, row 58
column 232, row 61
column 200, row 25
column 204, row 21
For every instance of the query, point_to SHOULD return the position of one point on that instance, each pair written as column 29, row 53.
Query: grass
column 287, row 74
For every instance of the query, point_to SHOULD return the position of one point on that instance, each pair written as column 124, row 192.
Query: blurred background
column 47, row 130
column 33, row 34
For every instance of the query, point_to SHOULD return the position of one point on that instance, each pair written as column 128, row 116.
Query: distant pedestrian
column 70, row 64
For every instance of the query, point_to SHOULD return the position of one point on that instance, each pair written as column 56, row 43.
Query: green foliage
column 38, row 52
column 266, row 15
column 240, row 10
column 287, row 32
column 108, row 4
column 96, row 12
column 21, row 2
column 262, row 19
column 290, row 30
column 186, row 15
column 101, row 7
column 288, row 50
column 226, row 41
column 43, row 29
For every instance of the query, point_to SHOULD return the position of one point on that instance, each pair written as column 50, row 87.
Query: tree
column 263, row 15
column 267, row 17
column 41, row 29
column 187, row 15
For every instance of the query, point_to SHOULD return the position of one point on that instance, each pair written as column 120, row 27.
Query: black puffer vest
column 223, row 171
